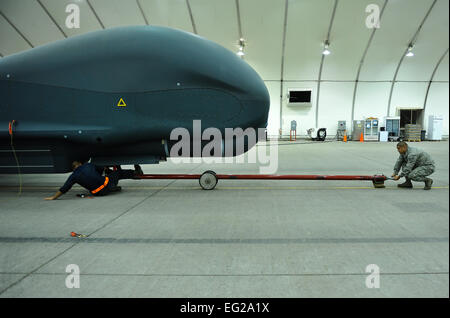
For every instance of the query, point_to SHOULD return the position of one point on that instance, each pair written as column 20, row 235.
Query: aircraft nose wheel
column 208, row 180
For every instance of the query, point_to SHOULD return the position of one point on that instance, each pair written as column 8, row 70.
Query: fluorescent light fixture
column 326, row 50
column 410, row 53
column 241, row 47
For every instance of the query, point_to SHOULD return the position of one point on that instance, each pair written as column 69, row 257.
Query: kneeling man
column 91, row 178
column 416, row 165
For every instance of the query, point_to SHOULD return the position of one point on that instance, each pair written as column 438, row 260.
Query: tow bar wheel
column 208, row 180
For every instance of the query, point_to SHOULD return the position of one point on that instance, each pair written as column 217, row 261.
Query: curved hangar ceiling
column 284, row 39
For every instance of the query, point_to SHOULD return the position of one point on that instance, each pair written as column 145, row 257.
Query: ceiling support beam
column 142, row 11
column 283, row 49
column 95, row 13
column 51, row 18
column 413, row 39
column 361, row 63
column 17, row 30
column 238, row 13
column 321, row 63
column 194, row 28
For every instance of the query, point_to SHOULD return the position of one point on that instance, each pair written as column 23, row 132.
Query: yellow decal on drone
column 121, row 103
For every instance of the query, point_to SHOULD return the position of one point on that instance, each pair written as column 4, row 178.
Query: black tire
column 322, row 134
column 208, row 180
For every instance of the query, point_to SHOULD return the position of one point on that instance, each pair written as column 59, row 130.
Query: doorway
column 410, row 116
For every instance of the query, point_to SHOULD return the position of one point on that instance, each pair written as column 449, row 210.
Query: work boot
column 138, row 170
column 428, row 183
column 406, row 184
column 115, row 189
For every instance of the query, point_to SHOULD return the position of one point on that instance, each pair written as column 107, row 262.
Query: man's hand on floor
column 55, row 196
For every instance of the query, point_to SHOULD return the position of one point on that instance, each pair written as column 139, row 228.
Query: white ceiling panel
column 348, row 39
column 11, row 42
column 262, row 28
column 442, row 71
column 406, row 95
column 216, row 20
column 115, row 13
column 431, row 43
column 399, row 23
column 29, row 17
column 88, row 21
column 170, row 13
column 307, row 29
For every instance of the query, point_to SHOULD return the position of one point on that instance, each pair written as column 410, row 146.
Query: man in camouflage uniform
column 416, row 165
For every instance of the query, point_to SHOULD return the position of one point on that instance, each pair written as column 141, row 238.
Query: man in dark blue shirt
column 90, row 176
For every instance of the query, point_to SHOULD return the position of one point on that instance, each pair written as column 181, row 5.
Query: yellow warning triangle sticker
column 121, row 103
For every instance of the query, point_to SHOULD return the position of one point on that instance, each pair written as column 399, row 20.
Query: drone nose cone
column 259, row 103
column 256, row 99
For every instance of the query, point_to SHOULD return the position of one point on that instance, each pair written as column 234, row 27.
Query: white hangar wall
column 371, row 100
column 387, row 81
column 437, row 104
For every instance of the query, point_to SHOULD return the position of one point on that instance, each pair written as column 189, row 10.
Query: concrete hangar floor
column 246, row 238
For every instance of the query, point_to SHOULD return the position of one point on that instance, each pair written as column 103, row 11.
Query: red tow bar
column 208, row 180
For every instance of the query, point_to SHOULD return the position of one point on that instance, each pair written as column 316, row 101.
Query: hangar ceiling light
column 410, row 53
column 326, row 50
column 241, row 47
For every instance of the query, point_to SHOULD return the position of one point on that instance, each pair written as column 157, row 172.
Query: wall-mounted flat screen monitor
column 300, row 96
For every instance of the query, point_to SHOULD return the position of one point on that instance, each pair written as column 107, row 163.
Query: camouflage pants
column 420, row 173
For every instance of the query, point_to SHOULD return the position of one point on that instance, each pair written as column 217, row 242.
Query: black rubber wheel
column 208, row 180
column 322, row 134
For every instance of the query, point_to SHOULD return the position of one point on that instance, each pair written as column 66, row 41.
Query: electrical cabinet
column 358, row 128
column 341, row 131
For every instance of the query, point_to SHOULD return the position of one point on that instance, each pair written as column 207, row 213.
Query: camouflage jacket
column 412, row 159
